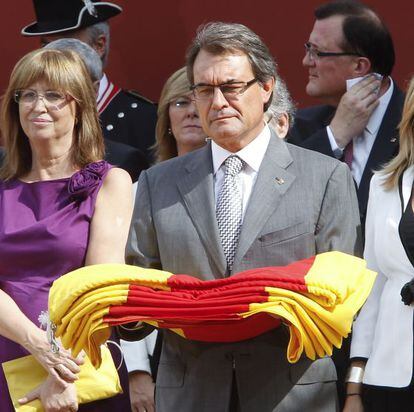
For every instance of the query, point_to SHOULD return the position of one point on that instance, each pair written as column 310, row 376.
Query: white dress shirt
column 252, row 155
column 363, row 143
column 137, row 354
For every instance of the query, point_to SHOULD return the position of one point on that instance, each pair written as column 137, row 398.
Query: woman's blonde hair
column 405, row 157
column 176, row 86
column 61, row 70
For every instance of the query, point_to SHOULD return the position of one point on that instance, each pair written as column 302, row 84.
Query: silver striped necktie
column 229, row 209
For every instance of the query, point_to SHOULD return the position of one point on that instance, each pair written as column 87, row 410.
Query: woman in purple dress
column 61, row 207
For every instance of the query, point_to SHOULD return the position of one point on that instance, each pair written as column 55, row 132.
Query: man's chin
column 224, row 133
column 312, row 89
column 225, row 138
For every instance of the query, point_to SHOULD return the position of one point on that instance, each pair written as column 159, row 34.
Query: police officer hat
column 58, row 16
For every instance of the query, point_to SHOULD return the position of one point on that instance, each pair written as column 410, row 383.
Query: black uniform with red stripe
column 128, row 118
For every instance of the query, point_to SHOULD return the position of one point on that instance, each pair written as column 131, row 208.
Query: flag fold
column 316, row 298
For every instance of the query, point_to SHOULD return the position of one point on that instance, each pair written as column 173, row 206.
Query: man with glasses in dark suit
column 349, row 57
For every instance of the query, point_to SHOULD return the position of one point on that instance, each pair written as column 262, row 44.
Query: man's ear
column 362, row 67
column 267, row 89
column 280, row 125
column 100, row 45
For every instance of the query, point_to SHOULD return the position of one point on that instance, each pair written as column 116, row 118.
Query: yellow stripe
column 92, row 277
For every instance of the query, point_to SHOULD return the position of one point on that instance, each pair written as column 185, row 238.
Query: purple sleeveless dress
column 44, row 231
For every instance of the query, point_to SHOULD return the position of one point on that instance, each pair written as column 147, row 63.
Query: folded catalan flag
column 317, row 298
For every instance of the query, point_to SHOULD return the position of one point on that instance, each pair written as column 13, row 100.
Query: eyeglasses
column 229, row 90
column 53, row 99
column 181, row 102
column 315, row 54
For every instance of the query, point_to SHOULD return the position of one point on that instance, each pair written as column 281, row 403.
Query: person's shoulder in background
column 130, row 118
column 309, row 120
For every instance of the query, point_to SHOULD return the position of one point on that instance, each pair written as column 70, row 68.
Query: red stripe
column 231, row 330
column 104, row 104
column 166, row 300
column 242, row 330
column 210, row 310
column 292, row 274
column 248, row 288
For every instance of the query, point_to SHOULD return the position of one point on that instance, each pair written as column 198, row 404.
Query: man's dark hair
column 220, row 38
column 364, row 33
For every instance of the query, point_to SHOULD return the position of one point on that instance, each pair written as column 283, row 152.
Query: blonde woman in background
column 178, row 129
column 381, row 372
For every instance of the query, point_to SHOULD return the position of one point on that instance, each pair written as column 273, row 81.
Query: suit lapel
column 197, row 190
column 385, row 146
column 273, row 181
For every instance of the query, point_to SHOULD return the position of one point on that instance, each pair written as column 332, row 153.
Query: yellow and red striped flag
column 317, row 298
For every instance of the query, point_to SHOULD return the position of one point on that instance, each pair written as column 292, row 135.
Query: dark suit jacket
column 309, row 131
column 126, row 157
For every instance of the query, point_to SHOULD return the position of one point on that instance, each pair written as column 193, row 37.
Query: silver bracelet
column 355, row 374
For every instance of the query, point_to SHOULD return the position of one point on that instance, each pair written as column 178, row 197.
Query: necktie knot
column 233, row 166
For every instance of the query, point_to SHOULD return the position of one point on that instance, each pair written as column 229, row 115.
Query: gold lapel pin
column 279, row 180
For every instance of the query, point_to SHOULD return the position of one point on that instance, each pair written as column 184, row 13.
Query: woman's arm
column 364, row 325
column 27, row 334
column 14, row 325
column 111, row 219
column 353, row 402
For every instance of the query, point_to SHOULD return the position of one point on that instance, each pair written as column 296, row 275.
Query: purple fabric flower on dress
column 85, row 180
column 98, row 167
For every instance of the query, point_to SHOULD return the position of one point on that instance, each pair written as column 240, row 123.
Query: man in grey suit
column 194, row 216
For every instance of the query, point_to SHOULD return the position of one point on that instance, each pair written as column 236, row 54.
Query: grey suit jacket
column 302, row 203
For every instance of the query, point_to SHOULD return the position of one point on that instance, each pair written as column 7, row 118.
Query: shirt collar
column 252, row 154
column 375, row 119
column 103, row 85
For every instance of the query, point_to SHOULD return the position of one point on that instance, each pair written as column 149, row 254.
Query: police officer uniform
column 127, row 117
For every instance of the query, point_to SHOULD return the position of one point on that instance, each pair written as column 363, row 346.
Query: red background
column 149, row 39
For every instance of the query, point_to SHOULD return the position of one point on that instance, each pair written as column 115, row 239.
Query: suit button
column 134, row 105
column 121, row 115
column 109, row 127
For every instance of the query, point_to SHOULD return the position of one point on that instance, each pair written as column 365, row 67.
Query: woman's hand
column 14, row 325
column 61, row 366
column 53, row 397
column 353, row 404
